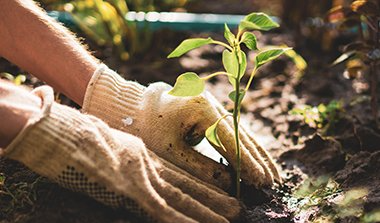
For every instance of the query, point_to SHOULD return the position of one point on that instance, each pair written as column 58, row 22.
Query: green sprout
column 235, row 64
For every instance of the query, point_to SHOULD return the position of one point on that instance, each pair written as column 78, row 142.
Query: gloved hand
column 168, row 125
column 82, row 153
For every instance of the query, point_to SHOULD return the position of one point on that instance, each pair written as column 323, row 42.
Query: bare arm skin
column 36, row 43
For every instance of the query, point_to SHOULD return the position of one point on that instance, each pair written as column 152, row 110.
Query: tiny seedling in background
column 235, row 64
column 323, row 117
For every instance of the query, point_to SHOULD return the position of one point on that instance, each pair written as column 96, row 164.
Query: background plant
column 104, row 21
column 235, row 63
column 363, row 54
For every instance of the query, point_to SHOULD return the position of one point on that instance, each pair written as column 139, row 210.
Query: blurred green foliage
column 104, row 21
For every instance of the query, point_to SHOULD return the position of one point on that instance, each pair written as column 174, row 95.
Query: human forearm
column 36, row 43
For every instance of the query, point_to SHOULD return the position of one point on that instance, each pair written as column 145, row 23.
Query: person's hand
column 16, row 106
column 82, row 153
column 170, row 126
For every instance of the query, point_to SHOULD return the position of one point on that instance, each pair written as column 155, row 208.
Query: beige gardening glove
column 170, row 125
column 82, row 153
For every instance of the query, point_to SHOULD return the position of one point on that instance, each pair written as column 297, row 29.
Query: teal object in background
column 180, row 21
column 63, row 17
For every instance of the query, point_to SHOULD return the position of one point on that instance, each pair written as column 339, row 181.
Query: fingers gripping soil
column 177, row 199
column 216, row 200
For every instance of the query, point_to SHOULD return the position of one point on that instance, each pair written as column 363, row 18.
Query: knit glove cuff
column 55, row 125
column 113, row 99
column 37, row 125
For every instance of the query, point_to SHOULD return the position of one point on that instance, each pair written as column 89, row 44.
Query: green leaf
column 188, row 45
column 245, row 25
column 258, row 21
column 249, row 39
column 188, row 84
column 212, row 134
column 267, row 55
column 231, row 64
column 243, row 65
column 232, row 95
column 230, row 37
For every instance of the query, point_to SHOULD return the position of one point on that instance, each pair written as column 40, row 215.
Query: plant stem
column 216, row 74
column 240, row 32
column 237, row 141
column 235, row 115
column 251, row 78
column 222, row 44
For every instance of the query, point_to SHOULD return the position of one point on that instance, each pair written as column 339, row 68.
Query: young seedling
column 235, row 64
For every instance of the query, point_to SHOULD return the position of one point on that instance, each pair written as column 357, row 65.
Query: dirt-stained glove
column 82, row 153
column 169, row 125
